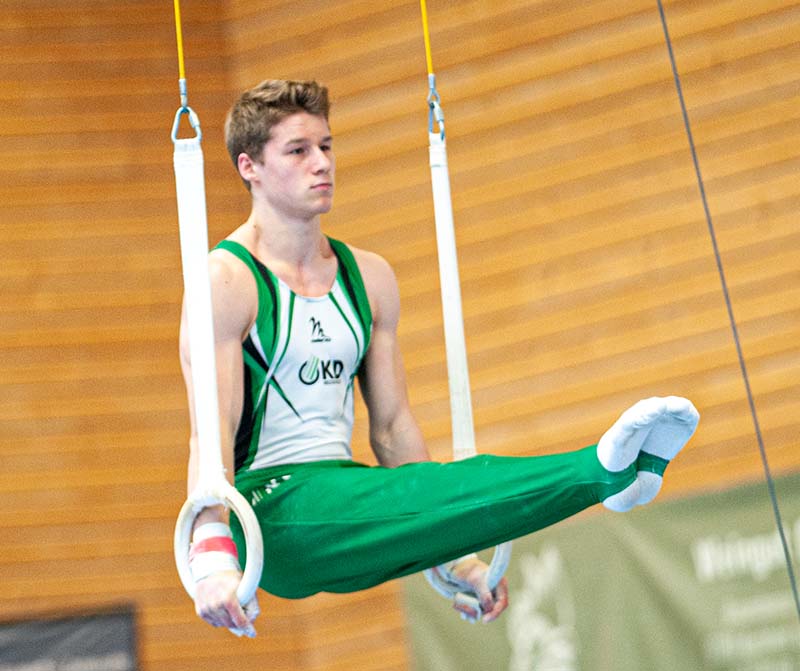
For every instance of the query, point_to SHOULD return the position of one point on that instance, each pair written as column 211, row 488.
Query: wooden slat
column 587, row 271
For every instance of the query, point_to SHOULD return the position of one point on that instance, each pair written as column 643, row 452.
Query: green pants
column 340, row 526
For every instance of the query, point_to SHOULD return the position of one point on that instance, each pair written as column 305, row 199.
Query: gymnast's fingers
column 216, row 601
column 500, row 602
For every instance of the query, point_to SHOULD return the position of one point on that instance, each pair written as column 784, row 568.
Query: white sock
column 649, row 486
column 674, row 428
column 657, row 426
column 623, row 501
column 620, row 445
column 668, row 437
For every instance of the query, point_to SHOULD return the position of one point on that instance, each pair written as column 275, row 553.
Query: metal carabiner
column 194, row 120
column 435, row 111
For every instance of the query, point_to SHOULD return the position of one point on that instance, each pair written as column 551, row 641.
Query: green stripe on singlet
column 353, row 284
column 273, row 382
column 349, row 325
column 359, row 353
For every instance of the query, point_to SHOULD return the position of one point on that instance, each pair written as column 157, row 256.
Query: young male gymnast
column 298, row 316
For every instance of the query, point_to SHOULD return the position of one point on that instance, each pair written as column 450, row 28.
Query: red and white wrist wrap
column 212, row 551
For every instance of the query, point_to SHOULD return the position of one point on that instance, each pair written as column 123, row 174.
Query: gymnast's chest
column 321, row 344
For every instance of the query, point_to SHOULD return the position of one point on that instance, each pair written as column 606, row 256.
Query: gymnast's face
column 295, row 173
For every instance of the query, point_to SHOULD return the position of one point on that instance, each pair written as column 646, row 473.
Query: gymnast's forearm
column 210, row 513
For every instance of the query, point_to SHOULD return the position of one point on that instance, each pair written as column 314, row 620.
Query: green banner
column 697, row 584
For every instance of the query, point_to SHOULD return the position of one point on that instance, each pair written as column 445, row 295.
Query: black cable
column 770, row 481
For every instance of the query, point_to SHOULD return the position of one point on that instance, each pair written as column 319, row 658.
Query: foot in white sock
column 658, row 427
column 672, row 431
column 621, row 444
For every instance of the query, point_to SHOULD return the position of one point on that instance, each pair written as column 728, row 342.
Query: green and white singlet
column 300, row 361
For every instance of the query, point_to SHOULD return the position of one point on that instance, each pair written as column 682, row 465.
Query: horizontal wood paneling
column 587, row 269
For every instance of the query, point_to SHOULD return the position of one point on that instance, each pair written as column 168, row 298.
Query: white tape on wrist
column 212, row 551
column 210, row 530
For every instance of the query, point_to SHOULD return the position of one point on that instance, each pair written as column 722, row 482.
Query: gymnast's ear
column 245, row 166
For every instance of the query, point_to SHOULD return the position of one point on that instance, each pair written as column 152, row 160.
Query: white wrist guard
column 212, row 551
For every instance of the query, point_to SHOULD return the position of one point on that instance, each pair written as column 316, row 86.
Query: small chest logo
column 317, row 332
column 329, row 371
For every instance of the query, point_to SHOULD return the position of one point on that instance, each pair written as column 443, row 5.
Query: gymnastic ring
column 227, row 495
column 450, row 588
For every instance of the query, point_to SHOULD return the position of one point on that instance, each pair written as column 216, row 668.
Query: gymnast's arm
column 234, row 306
column 395, row 436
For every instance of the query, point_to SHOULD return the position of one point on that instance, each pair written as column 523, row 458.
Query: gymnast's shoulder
column 380, row 282
column 233, row 290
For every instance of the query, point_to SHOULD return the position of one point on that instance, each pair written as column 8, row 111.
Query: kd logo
column 330, row 371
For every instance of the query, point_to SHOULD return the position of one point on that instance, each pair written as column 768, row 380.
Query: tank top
column 301, row 357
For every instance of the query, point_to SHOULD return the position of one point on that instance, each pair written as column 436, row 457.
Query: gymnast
column 298, row 316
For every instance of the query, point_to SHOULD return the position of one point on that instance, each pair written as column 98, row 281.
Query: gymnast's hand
column 216, row 602
column 475, row 573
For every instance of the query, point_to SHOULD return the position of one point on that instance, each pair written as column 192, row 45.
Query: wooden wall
column 588, row 274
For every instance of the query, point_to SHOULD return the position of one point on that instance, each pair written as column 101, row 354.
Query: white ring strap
column 455, row 344
column 212, row 486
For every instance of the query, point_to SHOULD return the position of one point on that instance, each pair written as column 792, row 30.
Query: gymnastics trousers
column 341, row 526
